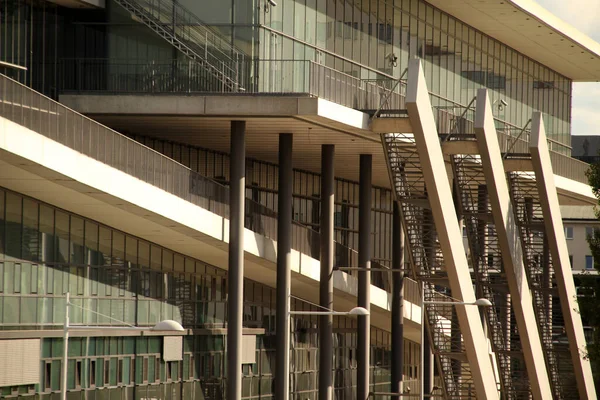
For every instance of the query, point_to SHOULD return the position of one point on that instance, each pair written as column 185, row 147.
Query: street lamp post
column 479, row 303
column 356, row 311
column 165, row 325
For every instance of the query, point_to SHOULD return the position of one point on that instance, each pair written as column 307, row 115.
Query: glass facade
column 348, row 35
column 46, row 252
column 38, row 35
column 261, row 182
column 368, row 40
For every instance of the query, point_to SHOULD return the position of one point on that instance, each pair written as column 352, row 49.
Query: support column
column 542, row 166
column 427, row 361
column 235, row 297
column 510, row 247
column 284, row 253
column 448, row 230
column 397, row 302
column 326, row 282
column 426, row 345
column 364, row 275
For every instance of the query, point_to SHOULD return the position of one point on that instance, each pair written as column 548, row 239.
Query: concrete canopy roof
column 532, row 30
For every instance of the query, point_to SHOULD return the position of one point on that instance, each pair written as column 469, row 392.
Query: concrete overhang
column 532, row 30
column 39, row 167
column 80, row 3
column 204, row 121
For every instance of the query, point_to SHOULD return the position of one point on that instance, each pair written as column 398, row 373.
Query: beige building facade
column 579, row 222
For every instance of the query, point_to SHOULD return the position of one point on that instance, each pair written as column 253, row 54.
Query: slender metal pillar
column 364, row 276
column 326, row 282
column 397, row 302
column 65, row 359
column 427, row 370
column 284, row 253
column 426, row 354
column 235, row 297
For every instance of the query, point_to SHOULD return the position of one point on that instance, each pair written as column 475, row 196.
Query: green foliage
column 589, row 307
column 589, row 286
column 593, row 175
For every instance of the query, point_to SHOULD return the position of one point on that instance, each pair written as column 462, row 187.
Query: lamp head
column 168, row 325
column 483, row 303
column 358, row 311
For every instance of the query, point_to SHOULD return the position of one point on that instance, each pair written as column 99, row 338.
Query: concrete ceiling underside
column 262, row 140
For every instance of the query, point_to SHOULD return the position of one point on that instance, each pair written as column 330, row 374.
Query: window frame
column 572, row 233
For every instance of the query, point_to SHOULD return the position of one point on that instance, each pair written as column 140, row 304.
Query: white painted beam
column 510, row 246
column 560, row 256
column 448, row 230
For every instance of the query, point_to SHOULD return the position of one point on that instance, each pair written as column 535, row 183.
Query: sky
column 584, row 15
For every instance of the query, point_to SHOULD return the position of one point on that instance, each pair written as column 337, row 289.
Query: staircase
column 188, row 34
column 542, row 281
column 427, row 264
column 488, row 272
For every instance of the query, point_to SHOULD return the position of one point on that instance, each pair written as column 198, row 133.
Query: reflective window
column 139, row 283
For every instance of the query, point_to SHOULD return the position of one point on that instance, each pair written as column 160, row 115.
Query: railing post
column 397, row 302
column 222, row 76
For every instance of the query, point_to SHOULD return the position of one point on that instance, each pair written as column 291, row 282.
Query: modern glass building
column 255, row 169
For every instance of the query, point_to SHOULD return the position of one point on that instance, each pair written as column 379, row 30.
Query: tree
column 589, row 285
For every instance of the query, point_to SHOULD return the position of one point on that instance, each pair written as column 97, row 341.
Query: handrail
column 390, row 77
column 325, row 51
column 53, row 120
column 509, row 124
column 279, row 76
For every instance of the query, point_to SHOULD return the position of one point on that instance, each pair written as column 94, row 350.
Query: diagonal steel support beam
column 510, row 247
column 542, row 166
column 448, row 230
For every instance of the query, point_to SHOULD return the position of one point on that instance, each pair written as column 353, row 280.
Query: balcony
column 378, row 94
column 86, row 136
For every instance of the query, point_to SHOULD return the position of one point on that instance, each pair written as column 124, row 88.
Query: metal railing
column 51, row 119
column 296, row 77
column 186, row 32
column 276, row 77
column 456, row 120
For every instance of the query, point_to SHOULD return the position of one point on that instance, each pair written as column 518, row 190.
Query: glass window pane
column 2, row 240
column 30, row 230
column 77, row 246
column 13, row 225
column 47, row 234
column 62, row 237
column 92, row 257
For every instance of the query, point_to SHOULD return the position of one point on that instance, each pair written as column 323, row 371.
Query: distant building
column 585, row 148
column 579, row 222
